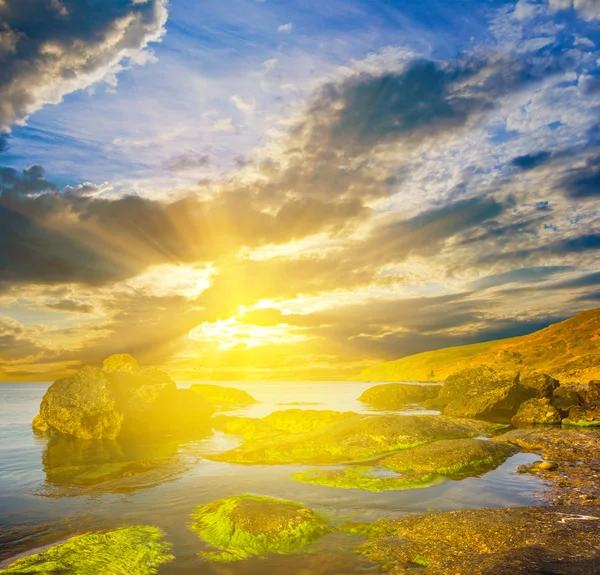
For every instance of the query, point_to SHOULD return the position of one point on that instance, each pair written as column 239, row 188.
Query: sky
column 288, row 190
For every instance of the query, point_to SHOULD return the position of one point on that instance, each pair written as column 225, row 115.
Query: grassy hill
column 569, row 351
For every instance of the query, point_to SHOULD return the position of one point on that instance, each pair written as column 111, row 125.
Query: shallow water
column 50, row 490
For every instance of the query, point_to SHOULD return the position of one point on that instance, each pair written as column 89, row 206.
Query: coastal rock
column 591, row 392
column 505, row 541
column 397, row 395
column 543, row 384
column 251, row 525
column 537, row 411
column 588, row 416
column 354, row 439
column 415, row 468
column 138, row 550
column 221, row 396
column 565, row 397
column 122, row 400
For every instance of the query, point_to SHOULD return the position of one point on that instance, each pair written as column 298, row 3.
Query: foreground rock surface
column 355, row 439
column 121, row 400
column 252, row 525
column 508, row 541
column 221, row 396
column 398, row 395
column 414, row 468
column 133, row 550
column 537, row 411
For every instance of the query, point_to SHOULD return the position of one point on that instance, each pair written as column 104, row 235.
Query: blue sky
column 338, row 182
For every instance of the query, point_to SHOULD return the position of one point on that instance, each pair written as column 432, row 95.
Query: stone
column 588, row 416
column 251, row 525
column 565, row 397
column 397, row 395
column 543, row 384
column 221, row 396
column 537, row 411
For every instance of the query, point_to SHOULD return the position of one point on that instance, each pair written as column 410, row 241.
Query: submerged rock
column 221, row 396
column 508, row 541
column 397, row 395
column 483, row 393
column 355, row 439
column 252, row 525
column 121, row 400
column 537, row 411
column 414, row 468
column 136, row 550
column 279, row 423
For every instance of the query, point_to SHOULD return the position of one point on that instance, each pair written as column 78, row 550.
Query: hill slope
column 569, row 351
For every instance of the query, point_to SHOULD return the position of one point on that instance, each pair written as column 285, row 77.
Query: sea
column 51, row 489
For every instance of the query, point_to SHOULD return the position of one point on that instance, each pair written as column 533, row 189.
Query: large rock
column 537, row 411
column 251, row 525
column 354, row 439
column 483, row 393
column 543, row 384
column 508, row 541
column 588, row 416
column 121, row 400
column 397, row 395
column 566, row 396
column 221, row 396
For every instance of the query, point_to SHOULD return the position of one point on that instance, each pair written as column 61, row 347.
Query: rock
column 583, row 417
column 279, row 423
column 483, row 393
column 123, row 400
column 592, row 392
column 537, row 411
column 221, row 396
column 354, row 439
column 414, row 468
column 138, row 550
column 250, row 525
column 397, row 395
column 543, row 384
column 547, row 466
column 565, row 397
column 504, row 541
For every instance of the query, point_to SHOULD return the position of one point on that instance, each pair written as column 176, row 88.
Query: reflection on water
column 52, row 489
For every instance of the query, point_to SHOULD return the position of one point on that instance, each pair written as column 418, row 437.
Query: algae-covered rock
column 121, row 400
column 252, row 525
column 136, row 550
column 588, row 416
column 354, row 439
column 221, row 396
column 537, row 411
column 482, row 393
column 397, row 395
column 279, row 423
column 508, row 541
column 544, row 385
column 414, row 468
column 566, row 396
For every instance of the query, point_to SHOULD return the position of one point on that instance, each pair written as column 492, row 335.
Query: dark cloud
column 583, row 182
column 3, row 143
column 531, row 161
column 49, row 49
column 187, row 161
column 522, row 275
column 71, row 306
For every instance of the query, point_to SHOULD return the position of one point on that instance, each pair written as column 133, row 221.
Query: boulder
column 397, row 395
column 588, row 416
column 543, row 384
column 483, row 393
column 565, row 397
column 591, row 392
column 121, row 400
column 250, row 525
column 537, row 411
column 221, row 396
column 354, row 439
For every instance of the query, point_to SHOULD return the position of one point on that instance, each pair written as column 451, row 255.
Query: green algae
column 251, row 525
column 138, row 550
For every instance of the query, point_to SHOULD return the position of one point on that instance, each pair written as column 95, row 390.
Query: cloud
column 582, row 181
column 50, row 49
column 587, row 9
column 285, row 27
column 243, row 105
column 187, row 161
column 71, row 306
column 531, row 161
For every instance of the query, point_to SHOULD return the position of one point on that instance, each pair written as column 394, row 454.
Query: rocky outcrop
column 121, row 400
column 566, row 396
column 250, row 525
column 543, row 384
column 586, row 416
column 537, row 411
column 397, row 395
column 354, row 439
column 509, row 541
column 483, row 393
column 221, row 396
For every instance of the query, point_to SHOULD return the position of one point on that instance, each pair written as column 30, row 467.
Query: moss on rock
column 136, row 550
column 252, row 525
column 221, row 396
column 397, row 395
column 537, row 411
column 583, row 417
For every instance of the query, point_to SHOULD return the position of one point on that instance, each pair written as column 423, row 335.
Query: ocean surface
column 52, row 489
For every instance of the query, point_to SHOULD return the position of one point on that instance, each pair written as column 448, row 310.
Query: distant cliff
column 568, row 351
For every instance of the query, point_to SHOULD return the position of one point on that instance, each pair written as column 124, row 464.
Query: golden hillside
column 569, row 351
